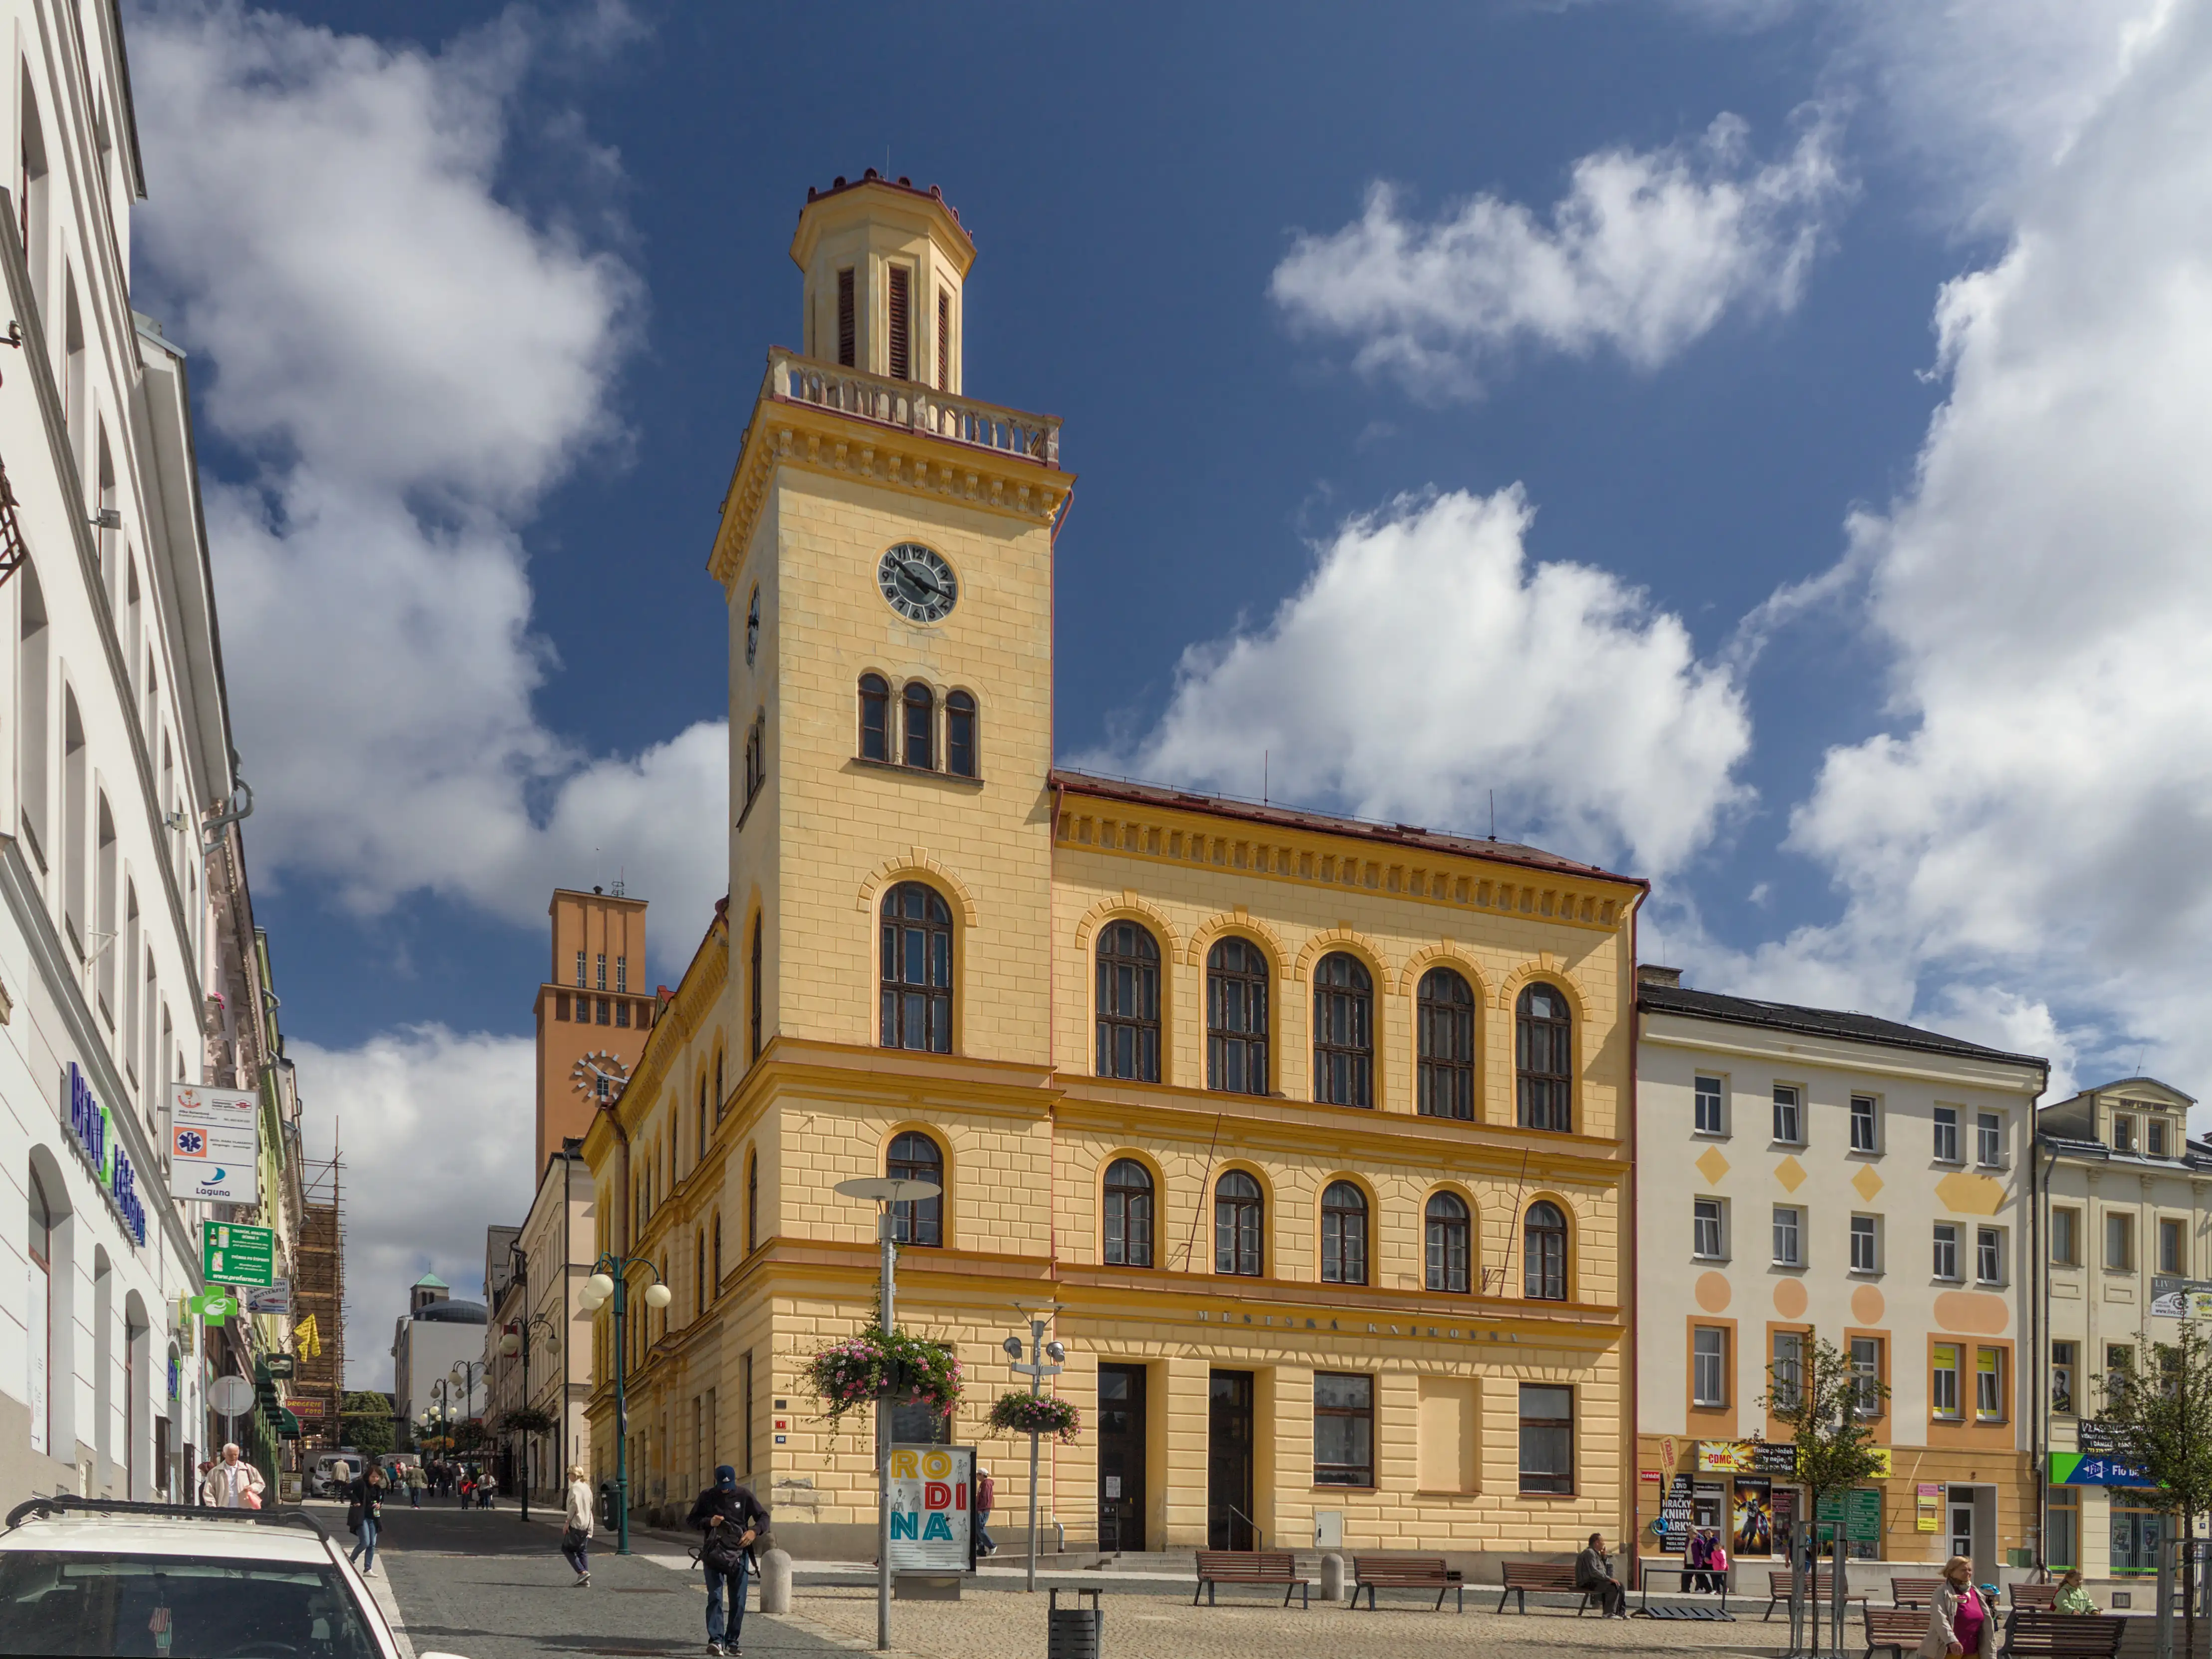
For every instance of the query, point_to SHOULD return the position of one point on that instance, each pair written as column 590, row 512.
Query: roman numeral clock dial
column 917, row 583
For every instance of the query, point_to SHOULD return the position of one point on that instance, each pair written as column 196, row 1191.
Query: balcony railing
column 913, row 406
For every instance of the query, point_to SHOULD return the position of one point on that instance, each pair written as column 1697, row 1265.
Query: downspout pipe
column 1626, row 1252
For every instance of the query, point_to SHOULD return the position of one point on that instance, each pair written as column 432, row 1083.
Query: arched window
column 1236, row 1017
column 917, row 981
column 1447, row 1230
column 915, row 1157
column 875, row 718
column 1543, row 1049
column 698, row 1272
column 919, row 726
column 720, row 1096
column 756, row 756
column 1447, row 1045
column 1343, row 1031
column 756, row 988
column 39, row 1337
column 715, row 1284
column 960, row 735
column 1238, row 1215
column 1128, row 1214
column 1544, row 1251
column 32, row 710
column 1344, row 1234
column 752, row 1201
column 702, row 1152
column 1128, row 1003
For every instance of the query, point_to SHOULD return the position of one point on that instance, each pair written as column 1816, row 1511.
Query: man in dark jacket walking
column 729, row 1518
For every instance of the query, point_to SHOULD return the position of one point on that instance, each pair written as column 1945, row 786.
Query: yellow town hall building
column 1310, row 1137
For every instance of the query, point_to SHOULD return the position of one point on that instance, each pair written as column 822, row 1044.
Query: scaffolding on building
column 318, row 1376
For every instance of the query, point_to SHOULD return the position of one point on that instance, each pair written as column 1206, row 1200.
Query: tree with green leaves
column 2159, row 1420
column 1830, row 1411
column 365, row 1422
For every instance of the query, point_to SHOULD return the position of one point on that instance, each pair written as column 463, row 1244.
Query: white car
column 82, row 1576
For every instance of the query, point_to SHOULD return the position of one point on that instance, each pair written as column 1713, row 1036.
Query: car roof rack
column 62, row 1504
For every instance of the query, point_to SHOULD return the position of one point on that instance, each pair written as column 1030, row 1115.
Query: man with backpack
column 729, row 1519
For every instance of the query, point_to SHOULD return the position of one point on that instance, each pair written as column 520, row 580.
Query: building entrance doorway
column 1121, row 1433
column 1962, row 1525
column 1228, row 1463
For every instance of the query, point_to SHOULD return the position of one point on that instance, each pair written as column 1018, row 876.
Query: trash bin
column 1074, row 1633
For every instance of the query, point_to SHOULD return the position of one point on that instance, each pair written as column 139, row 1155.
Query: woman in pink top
column 1959, row 1621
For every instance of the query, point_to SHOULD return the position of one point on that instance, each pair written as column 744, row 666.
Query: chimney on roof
column 1651, row 973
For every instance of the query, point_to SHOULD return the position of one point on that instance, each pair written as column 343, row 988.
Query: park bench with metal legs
column 2041, row 1598
column 1522, row 1576
column 1900, row 1630
column 1269, row 1567
column 1912, row 1592
column 1823, row 1590
column 2063, row 1635
column 1373, row 1572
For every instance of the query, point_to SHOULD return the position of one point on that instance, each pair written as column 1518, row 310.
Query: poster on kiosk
column 933, row 1493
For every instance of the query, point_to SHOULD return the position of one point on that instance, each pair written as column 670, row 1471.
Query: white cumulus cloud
column 1427, row 662
column 1645, row 252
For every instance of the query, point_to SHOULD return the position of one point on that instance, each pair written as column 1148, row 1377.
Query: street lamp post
column 517, row 1341
column 886, row 1193
column 610, row 1282
column 1036, row 1370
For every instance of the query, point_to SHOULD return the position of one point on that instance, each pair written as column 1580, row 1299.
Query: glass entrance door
column 1228, row 1463
column 1120, row 1457
column 1962, row 1526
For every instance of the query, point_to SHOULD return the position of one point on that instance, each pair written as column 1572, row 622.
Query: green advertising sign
column 213, row 1308
column 232, row 1254
column 1859, row 1509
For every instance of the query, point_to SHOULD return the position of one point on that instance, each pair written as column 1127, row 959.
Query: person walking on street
column 367, row 1513
column 986, row 1493
column 730, row 1518
column 414, row 1485
column 1594, row 1572
column 1959, row 1622
column 487, row 1486
column 229, row 1482
column 576, row 1536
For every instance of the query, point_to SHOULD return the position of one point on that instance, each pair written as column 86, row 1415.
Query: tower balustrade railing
column 913, row 406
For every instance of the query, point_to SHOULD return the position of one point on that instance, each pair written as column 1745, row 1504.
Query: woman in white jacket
column 1962, row 1624
column 576, row 1536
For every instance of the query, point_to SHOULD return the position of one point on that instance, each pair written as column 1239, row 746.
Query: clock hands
column 920, row 574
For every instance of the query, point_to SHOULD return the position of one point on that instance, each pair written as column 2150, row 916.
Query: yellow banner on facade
column 308, row 1338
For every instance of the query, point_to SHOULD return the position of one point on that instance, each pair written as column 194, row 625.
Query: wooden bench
column 1912, row 1592
column 1522, row 1576
column 1823, row 1589
column 1371, row 1572
column 1900, row 1629
column 2063, row 1635
column 2043, row 1598
column 1269, row 1567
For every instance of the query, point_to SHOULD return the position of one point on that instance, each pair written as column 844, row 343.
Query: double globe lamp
column 600, row 1288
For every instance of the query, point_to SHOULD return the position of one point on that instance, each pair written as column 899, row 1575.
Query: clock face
column 917, row 583
column 599, row 1076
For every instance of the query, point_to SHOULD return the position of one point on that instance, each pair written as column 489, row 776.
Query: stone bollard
column 1331, row 1578
column 775, row 1582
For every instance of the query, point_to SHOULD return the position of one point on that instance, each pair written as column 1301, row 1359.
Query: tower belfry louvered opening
column 884, row 262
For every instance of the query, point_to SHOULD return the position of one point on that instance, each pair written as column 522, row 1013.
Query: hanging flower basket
column 1044, row 1413
column 908, row 1371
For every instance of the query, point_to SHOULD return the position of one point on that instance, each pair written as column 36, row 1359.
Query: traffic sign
column 232, row 1254
column 231, row 1396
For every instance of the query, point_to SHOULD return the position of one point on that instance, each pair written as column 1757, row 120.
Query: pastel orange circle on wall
column 1713, row 1292
column 1790, row 1297
column 1867, row 1305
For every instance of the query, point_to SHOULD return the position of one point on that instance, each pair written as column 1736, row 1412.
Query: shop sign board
column 1752, row 1516
column 215, row 1144
column 2172, row 1297
column 275, row 1299
column 1928, row 1507
column 232, row 1254
column 1772, row 1458
column 1676, row 1513
column 930, row 1487
column 95, row 1135
column 2094, row 1469
column 1859, row 1511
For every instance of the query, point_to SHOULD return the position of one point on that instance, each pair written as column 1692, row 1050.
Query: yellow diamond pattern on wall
column 1970, row 1195
column 1866, row 1183
column 1790, row 1173
column 1712, row 1166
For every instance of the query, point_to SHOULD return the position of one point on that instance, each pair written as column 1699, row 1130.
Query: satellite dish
column 888, row 1189
column 231, row 1396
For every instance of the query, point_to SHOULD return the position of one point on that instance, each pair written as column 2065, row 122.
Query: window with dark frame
column 1543, row 1042
column 1128, row 1214
column 1128, row 1003
column 1239, row 1216
column 1343, row 1031
column 1445, row 1014
column 1710, row 1105
column 752, row 1201
column 1448, row 1244
column 875, row 718
column 915, row 1157
column 1866, row 1245
column 845, row 318
column 1789, row 1115
column 2172, row 1247
column 2066, row 1237
column 2063, row 1363
column 917, row 969
column 1344, row 1430
column 756, row 988
column 1544, row 1253
column 1708, row 1232
column 1547, row 1439
column 960, row 735
column 1864, row 1124
column 1236, row 1017
column 1343, row 1234
column 901, row 322
column 918, row 728
column 943, row 340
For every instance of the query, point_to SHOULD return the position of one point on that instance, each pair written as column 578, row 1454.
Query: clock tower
column 885, row 549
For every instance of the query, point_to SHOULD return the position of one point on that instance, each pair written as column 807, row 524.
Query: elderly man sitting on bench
column 1594, row 1573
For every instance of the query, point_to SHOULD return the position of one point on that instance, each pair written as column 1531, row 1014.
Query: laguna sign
column 215, row 1144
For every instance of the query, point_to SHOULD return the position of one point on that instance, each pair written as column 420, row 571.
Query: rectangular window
column 1547, row 1439
column 579, row 971
column 2066, row 1237
column 943, row 340
column 622, row 972
column 2062, row 1363
column 1789, row 1115
column 1947, row 1134
column 2123, row 1134
column 1988, row 1256
column 1947, row 1250
column 901, row 323
column 599, row 1013
column 1866, row 1245
column 1707, row 1240
column 1788, row 1373
column 1943, row 1381
column 1788, row 1236
column 1988, row 1385
column 599, row 971
column 1344, row 1430
column 2119, row 1360
column 845, row 334
column 622, row 1011
column 1863, row 1124
column 2062, row 1542
column 2154, row 1137
column 2120, row 1242
column 1866, row 1374
column 1709, row 1366
column 1989, row 1140
column 1711, row 1095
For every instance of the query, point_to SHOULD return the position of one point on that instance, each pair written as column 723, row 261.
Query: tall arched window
column 701, row 1154
column 1543, row 1051
column 960, row 735
column 1128, row 1214
column 716, row 1283
column 1447, row 1045
column 38, row 1337
column 919, row 728
column 875, row 718
column 915, row 1157
column 721, row 1096
column 1446, row 1226
column 1236, row 1017
column 752, row 1201
column 1343, row 1234
column 33, row 711
column 1544, row 1251
column 1128, row 1003
column 1239, row 1214
column 1343, row 1031
column 756, row 988
column 917, row 969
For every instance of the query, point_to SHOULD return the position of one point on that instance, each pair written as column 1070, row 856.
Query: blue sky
column 1611, row 462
